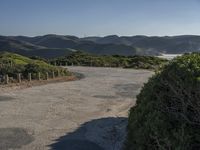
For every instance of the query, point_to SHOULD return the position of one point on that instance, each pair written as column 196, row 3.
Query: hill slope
column 29, row 49
column 173, row 44
column 51, row 45
column 12, row 64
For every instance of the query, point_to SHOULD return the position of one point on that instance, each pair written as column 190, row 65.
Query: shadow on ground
column 100, row 134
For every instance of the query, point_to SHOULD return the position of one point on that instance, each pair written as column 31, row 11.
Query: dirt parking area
column 87, row 114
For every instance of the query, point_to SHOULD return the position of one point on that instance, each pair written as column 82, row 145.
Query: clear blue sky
column 99, row 17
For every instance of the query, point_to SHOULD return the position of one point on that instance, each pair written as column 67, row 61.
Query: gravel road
column 87, row 114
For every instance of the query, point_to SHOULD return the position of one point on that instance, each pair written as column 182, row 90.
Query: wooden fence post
column 29, row 77
column 53, row 75
column 6, row 79
column 58, row 73
column 19, row 78
column 39, row 76
column 47, row 75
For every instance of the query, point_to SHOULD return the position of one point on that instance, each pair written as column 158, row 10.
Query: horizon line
column 86, row 36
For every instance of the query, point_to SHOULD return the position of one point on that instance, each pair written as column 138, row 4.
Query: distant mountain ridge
column 52, row 45
column 165, row 44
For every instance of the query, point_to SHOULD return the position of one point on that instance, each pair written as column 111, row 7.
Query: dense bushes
column 167, row 113
column 84, row 59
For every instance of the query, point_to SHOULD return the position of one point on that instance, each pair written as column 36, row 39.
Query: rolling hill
column 166, row 44
column 10, row 44
column 50, row 46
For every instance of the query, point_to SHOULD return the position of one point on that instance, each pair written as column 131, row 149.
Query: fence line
column 6, row 79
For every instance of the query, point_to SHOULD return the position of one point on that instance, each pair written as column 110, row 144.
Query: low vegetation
column 85, row 59
column 11, row 64
column 167, row 113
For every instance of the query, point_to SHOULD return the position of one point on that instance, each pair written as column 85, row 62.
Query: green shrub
column 167, row 113
column 85, row 59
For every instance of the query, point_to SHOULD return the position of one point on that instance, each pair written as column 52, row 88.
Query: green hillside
column 12, row 64
column 24, row 48
column 15, row 59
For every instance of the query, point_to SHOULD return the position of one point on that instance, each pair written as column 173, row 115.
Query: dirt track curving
column 87, row 114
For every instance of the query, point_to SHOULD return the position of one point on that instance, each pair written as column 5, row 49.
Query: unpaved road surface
column 87, row 114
